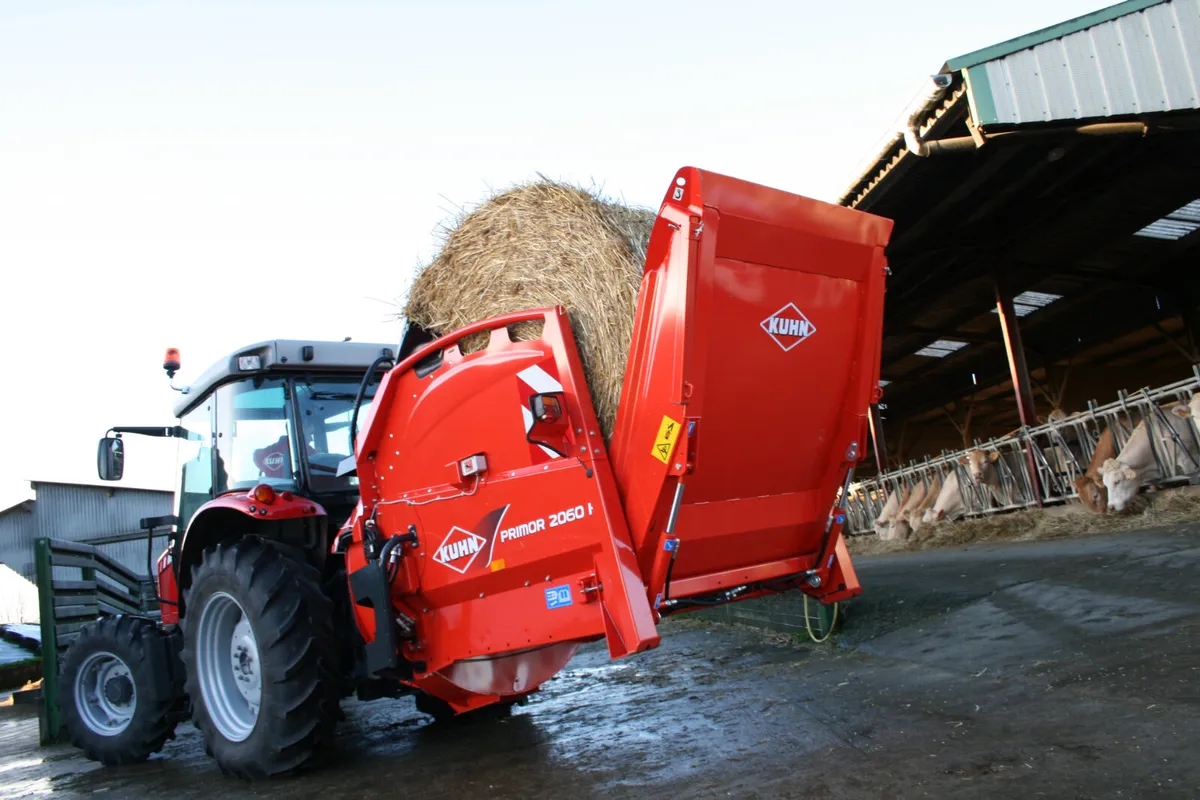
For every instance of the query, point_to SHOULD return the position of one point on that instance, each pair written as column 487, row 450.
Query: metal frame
column 1040, row 464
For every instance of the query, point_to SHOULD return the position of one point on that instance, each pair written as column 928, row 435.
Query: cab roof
column 284, row 355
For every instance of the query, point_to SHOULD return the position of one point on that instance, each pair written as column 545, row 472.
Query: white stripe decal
column 539, row 380
column 496, row 534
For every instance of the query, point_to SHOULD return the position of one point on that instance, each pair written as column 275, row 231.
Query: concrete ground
column 1061, row 669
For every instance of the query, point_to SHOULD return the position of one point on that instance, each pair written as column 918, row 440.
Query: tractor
column 449, row 522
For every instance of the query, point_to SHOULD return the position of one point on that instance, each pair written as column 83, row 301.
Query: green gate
column 76, row 584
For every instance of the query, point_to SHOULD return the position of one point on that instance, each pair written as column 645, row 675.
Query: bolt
column 526, row 583
column 547, row 579
column 583, row 449
column 593, row 433
column 481, row 595
column 579, row 430
column 679, row 466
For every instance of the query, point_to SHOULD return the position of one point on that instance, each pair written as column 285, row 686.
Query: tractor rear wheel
column 257, row 637
column 117, row 691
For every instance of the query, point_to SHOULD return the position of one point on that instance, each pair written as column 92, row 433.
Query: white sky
column 213, row 174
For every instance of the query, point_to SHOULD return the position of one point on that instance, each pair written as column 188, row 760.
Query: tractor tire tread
column 294, row 645
column 152, row 723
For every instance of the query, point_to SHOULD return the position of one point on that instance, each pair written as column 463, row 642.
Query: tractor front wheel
column 256, row 639
column 118, row 694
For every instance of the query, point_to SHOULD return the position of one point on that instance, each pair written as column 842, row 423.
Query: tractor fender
column 291, row 520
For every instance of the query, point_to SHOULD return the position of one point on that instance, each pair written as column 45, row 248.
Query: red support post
column 875, row 419
column 1018, row 368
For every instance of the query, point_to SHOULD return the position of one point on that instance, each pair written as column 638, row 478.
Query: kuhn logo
column 788, row 327
column 458, row 549
column 274, row 461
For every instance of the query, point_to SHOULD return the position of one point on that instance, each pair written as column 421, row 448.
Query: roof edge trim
column 1049, row 34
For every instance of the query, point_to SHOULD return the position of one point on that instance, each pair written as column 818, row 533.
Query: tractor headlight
column 247, row 363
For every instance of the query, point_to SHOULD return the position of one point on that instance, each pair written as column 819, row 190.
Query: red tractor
column 353, row 520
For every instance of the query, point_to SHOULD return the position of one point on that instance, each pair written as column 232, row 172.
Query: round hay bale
column 538, row 245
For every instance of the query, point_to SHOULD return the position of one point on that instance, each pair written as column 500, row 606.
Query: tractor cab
column 276, row 413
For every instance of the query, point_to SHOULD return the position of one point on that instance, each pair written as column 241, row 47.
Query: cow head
column 1092, row 494
column 1121, row 482
column 979, row 463
column 901, row 530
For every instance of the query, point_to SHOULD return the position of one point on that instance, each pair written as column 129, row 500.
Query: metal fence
column 1038, row 466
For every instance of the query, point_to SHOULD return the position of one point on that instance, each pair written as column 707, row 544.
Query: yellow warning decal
column 668, row 432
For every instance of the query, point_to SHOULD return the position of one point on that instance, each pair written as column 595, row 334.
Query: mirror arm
column 175, row 431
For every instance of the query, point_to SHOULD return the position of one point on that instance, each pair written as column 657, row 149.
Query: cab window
column 255, row 440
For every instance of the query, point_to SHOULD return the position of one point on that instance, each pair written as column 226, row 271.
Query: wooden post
column 1018, row 368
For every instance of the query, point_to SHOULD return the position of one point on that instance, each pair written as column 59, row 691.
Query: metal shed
column 1046, row 193
column 97, row 515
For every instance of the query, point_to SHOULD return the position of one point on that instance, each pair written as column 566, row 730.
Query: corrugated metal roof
column 1047, row 34
column 1146, row 60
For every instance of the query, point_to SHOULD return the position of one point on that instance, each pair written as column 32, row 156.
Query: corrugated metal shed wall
column 1144, row 62
column 79, row 514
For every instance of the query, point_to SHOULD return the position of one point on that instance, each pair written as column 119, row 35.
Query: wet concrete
column 1064, row 669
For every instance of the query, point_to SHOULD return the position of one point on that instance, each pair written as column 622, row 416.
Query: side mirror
column 110, row 459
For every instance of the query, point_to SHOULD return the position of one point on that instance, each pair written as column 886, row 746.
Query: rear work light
column 246, row 363
column 263, row 494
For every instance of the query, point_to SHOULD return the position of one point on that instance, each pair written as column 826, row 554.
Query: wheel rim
column 228, row 667
column 105, row 694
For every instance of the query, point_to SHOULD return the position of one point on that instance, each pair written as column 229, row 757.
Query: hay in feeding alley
column 537, row 245
column 1154, row 510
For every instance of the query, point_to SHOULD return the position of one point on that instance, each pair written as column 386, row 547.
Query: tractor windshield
column 325, row 407
column 290, row 433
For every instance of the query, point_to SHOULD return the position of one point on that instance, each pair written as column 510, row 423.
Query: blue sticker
column 841, row 518
column 558, row 596
column 671, row 544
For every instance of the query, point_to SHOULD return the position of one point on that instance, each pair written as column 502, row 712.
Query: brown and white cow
column 919, row 515
column 949, row 502
column 901, row 528
column 1090, row 485
column 1135, row 465
column 891, row 510
column 982, row 468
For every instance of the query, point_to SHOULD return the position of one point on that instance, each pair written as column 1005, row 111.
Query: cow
column 891, row 509
column 982, row 467
column 917, row 516
column 1135, row 464
column 1195, row 408
column 949, row 502
column 901, row 528
column 1090, row 485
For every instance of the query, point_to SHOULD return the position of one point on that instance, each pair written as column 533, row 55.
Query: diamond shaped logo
column 458, row 549
column 788, row 327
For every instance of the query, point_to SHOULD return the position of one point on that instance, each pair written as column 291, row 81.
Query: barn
column 97, row 515
column 1046, row 194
